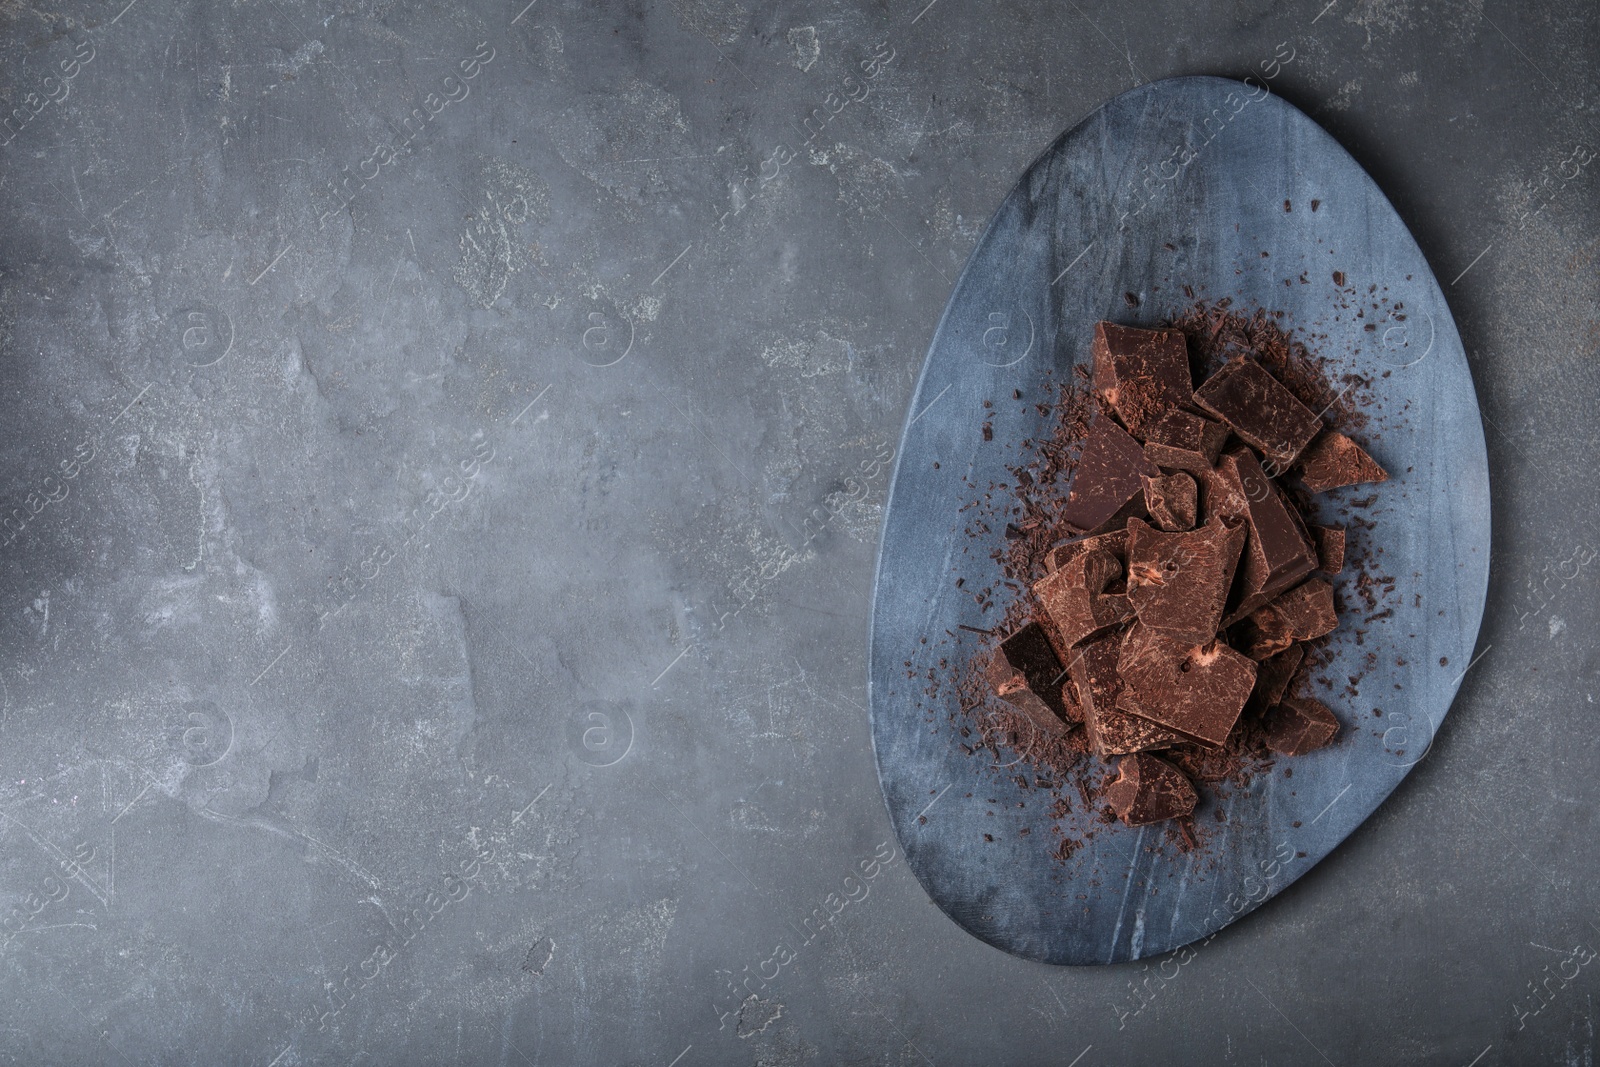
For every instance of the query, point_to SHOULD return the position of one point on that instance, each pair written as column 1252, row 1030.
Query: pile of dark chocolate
column 1180, row 604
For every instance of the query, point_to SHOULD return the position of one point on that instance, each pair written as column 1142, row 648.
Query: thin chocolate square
column 1261, row 410
column 1106, row 481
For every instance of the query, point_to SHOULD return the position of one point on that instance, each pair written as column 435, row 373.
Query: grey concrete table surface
column 444, row 463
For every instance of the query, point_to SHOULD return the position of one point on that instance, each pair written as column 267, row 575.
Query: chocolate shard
column 1113, row 541
column 1299, row 725
column 1141, row 374
column 1333, row 460
column 1221, row 492
column 1106, row 487
column 1010, row 686
column 1148, row 789
column 1182, row 440
column 1273, row 677
column 1178, row 582
column 1260, row 409
column 1330, row 548
column 1025, row 673
column 1171, row 501
column 1075, row 601
column 1303, row 613
column 1111, row 732
column 1071, row 702
column 1279, row 552
column 1116, row 733
column 1198, row 691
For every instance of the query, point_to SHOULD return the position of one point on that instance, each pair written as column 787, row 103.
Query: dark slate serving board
column 1203, row 165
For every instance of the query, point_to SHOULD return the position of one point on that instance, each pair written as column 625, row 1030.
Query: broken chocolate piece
column 1111, row 732
column 1330, row 548
column 1178, row 582
column 1171, row 501
column 1299, row 725
column 1141, row 374
column 1076, row 603
column 1273, row 677
column 1182, row 440
column 1279, row 552
column 1333, row 460
column 1149, row 789
column 1221, row 493
column 1116, row 733
column 1026, row 674
column 1302, row 614
column 1011, row 686
column 1260, row 409
column 1113, row 541
column 1198, row 691
column 1106, row 486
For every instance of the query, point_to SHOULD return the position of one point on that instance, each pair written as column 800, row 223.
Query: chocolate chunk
column 1116, row 733
column 1330, row 548
column 1093, row 669
column 1011, row 686
column 1025, row 673
column 1299, row 725
column 1106, row 487
column 1195, row 690
column 1333, row 460
column 1111, row 732
column 1178, row 582
column 1028, row 651
column 1302, row 614
column 1182, row 440
column 1076, row 603
column 1148, row 789
column 1142, row 374
column 1279, row 552
column 1260, row 409
column 1171, row 501
column 1273, row 677
column 1222, row 494
column 1113, row 541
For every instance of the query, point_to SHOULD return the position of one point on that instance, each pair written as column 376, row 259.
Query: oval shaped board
column 1185, row 181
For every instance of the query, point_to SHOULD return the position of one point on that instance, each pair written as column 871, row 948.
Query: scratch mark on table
column 132, row 802
column 274, row 263
column 121, row 13
column 1074, row 263
column 671, row 665
column 924, row 411
column 518, row 816
column 1290, row 1021
column 674, row 263
column 132, row 402
column 934, row 801
column 1332, row 802
column 532, row 402
column 274, row 662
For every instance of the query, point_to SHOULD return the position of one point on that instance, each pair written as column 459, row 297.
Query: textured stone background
column 392, row 450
